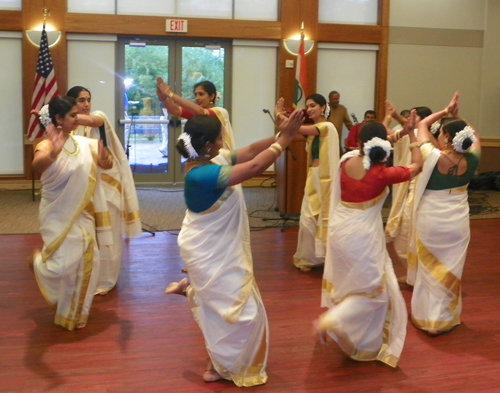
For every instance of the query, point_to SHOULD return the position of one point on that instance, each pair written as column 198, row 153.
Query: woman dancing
column 118, row 185
column 73, row 214
column 442, row 231
column 205, row 95
column 214, row 244
column 367, row 314
column 322, row 158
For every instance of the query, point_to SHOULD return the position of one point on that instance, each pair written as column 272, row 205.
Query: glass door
column 149, row 131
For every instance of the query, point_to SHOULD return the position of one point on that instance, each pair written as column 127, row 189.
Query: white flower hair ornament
column 186, row 138
column 460, row 137
column 327, row 110
column 435, row 127
column 369, row 145
column 44, row 116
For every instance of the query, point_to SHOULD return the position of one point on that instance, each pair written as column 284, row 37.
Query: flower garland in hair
column 186, row 139
column 461, row 136
column 369, row 145
column 327, row 110
column 44, row 116
column 435, row 127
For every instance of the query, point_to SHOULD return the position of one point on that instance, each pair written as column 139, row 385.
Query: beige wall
column 438, row 47
column 490, row 83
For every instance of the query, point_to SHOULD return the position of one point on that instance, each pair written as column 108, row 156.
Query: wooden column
column 291, row 168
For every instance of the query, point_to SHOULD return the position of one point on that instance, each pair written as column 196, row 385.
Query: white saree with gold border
column 399, row 222
column 227, row 130
column 313, row 224
column 223, row 295
column 367, row 314
column 123, row 205
column 73, row 214
column 442, row 235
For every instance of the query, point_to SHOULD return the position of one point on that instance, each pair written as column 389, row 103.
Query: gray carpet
column 162, row 209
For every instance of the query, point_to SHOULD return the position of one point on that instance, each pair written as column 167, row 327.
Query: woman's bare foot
column 319, row 333
column 178, row 288
column 402, row 280
column 81, row 325
column 305, row 269
column 210, row 375
column 434, row 332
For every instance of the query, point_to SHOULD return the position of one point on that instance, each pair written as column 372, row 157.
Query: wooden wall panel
column 292, row 14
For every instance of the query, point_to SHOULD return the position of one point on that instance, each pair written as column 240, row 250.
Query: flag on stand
column 300, row 77
column 45, row 85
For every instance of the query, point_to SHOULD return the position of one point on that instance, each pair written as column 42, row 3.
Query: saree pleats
column 367, row 314
column 314, row 212
column 223, row 295
column 121, row 196
column 68, row 266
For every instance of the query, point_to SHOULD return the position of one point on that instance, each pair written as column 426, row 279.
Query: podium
column 291, row 174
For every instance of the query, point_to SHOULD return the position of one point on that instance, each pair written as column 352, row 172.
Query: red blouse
column 185, row 114
column 374, row 182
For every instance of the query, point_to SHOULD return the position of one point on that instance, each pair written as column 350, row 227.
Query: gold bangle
column 446, row 112
column 280, row 114
column 277, row 136
column 277, row 146
column 389, row 117
column 414, row 144
column 274, row 150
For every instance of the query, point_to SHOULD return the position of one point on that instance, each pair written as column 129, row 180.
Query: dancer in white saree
column 215, row 247
column 322, row 159
column 205, row 95
column 442, row 233
column 118, row 185
column 367, row 314
column 399, row 222
column 73, row 213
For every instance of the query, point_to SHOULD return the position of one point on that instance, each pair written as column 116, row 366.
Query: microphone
column 353, row 115
column 269, row 113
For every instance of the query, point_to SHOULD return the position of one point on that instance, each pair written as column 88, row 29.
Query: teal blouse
column 205, row 184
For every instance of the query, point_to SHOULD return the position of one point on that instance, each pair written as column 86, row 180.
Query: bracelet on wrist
column 277, row 136
column 414, row 144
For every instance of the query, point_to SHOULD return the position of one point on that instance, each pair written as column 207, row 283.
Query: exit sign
column 177, row 25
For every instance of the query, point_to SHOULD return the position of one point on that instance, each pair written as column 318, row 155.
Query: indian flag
column 300, row 77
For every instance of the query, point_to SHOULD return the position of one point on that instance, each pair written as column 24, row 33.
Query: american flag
column 45, row 86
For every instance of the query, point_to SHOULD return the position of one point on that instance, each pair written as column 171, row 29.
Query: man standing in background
column 338, row 115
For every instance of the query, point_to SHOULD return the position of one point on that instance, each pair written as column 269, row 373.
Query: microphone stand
column 283, row 217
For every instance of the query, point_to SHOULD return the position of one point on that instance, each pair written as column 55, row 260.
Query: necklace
column 193, row 163
column 75, row 145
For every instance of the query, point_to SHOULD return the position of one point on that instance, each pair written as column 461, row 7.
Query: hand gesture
column 291, row 125
column 390, row 109
column 104, row 157
column 58, row 139
column 279, row 106
column 162, row 89
column 410, row 123
column 452, row 107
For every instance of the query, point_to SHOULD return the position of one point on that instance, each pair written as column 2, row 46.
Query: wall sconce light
column 34, row 37
column 292, row 45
